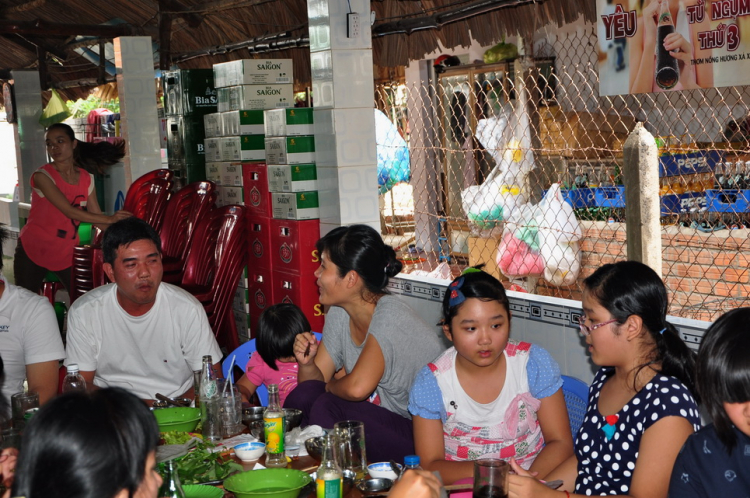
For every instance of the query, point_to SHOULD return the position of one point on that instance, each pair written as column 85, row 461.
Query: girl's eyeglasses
column 586, row 330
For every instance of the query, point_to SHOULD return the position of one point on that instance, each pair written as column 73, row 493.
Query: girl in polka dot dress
column 640, row 409
column 718, row 456
column 487, row 396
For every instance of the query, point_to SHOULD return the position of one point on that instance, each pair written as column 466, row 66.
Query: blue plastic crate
column 727, row 201
column 702, row 161
column 675, row 203
column 577, row 197
column 610, row 196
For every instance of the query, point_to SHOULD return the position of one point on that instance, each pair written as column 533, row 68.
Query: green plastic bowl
column 183, row 419
column 202, row 491
column 267, row 483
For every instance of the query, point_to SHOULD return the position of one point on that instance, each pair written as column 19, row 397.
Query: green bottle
column 171, row 487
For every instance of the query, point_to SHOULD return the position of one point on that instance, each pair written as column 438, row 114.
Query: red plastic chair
column 157, row 174
column 185, row 208
column 214, row 263
column 86, row 270
column 148, row 201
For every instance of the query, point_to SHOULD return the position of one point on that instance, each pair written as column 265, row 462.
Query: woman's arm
column 429, row 445
column 558, row 442
column 313, row 359
column 642, row 48
column 361, row 382
column 247, row 388
column 53, row 194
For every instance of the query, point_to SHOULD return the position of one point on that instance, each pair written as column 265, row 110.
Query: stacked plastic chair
column 218, row 253
column 184, row 210
column 146, row 198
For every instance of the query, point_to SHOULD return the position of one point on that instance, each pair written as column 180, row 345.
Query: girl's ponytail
column 677, row 359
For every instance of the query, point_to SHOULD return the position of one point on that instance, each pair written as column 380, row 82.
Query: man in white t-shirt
column 139, row 333
column 30, row 341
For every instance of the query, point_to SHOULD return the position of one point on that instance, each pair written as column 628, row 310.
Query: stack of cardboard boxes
column 281, row 260
column 189, row 94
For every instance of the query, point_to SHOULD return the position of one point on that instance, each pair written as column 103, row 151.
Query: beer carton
column 231, row 174
column 243, row 122
column 290, row 150
column 212, row 148
column 255, row 97
column 295, row 205
column 253, row 72
column 213, row 172
column 292, row 177
column 241, row 301
column 243, row 148
column 230, row 195
column 213, row 125
column 289, row 122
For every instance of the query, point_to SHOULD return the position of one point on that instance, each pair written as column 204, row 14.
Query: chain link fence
column 518, row 166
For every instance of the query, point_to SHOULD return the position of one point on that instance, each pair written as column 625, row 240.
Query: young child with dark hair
column 273, row 362
column 716, row 459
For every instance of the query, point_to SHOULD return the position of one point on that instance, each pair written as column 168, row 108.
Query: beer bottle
column 210, row 402
column 274, row 429
column 329, row 480
column 667, row 73
column 170, row 486
column 719, row 176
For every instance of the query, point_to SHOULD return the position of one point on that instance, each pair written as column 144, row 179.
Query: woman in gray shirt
column 373, row 345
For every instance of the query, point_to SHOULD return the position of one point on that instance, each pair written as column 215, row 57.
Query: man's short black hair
column 124, row 233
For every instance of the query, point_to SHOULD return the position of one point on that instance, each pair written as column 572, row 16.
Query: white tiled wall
column 546, row 321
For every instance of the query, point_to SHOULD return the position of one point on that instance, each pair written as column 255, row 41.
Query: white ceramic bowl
column 248, row 452
column 382, row 470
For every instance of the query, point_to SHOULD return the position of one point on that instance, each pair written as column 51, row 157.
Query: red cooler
column 293, row 246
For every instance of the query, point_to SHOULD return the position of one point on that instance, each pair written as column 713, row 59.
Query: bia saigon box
column 255, row 97
column 295, row 205
column 243, row 122
column 243, row 148
column 255, row 185
column 302, row 291
column 290, row 150
column 253, row 72
column 293, row 246
column 259, row 236
column 288, row 122
column 292, row 177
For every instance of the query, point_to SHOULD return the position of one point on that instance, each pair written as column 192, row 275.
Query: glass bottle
column 73, row 381
column 170, row 487
column 210, row 402
column 274, row 429
column 719, row 176
column 746, row 176
column 739, row 176
column 667, row 72
column 329, row 480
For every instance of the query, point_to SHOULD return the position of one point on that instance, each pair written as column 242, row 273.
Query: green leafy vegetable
column 201, row 465
column 176, row 437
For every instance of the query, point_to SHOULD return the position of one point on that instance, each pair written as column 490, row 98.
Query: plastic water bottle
column 411, row 462
column 73, row 380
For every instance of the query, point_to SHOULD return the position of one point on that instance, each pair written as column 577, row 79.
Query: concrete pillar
column 136, row 87
column 343, row 98
column 424, row 163
column 642, row 210
column 31, row 152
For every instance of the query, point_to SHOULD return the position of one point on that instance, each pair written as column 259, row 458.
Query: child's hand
column 305, row 348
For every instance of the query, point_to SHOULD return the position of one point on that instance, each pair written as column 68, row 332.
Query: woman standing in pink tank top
column 62, row 197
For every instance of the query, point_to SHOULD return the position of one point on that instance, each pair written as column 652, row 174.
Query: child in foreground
column 487, row 396
column 273, row 362
column 716, row 459
column 640, row 409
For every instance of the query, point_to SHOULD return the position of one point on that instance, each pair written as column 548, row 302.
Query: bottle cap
column 411, row 460
column 73, row 368
column 207, row 357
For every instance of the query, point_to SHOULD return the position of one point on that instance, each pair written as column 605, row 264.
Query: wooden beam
column 48, row 29
column 62, row 85
column 24, row 7
column 177, row 8
column 102, row 63
column 43, row 75
column 165, row 35
column 30, row 43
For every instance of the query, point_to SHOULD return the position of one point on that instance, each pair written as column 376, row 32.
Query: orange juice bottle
column 678, row 185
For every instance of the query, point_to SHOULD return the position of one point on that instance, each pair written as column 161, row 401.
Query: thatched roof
column 200, row 33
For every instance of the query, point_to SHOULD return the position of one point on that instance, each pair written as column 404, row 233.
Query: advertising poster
column 666, row 45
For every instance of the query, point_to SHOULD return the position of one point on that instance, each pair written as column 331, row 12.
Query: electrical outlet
column 352, row 25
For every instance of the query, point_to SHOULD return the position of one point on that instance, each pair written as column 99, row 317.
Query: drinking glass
column 23, row 403
column 231, row 410
column 350, row 437
column 490, row 478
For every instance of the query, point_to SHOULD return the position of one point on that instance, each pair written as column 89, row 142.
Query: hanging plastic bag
column 518, row 252
column 55, row 112
column 559, row 233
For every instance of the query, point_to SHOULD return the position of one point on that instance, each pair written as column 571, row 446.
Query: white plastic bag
column 559, row 232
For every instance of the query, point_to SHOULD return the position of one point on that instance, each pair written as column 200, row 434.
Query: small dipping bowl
column 314, row 447
column 249, row 452
column 375, row 486
column 382, row 470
